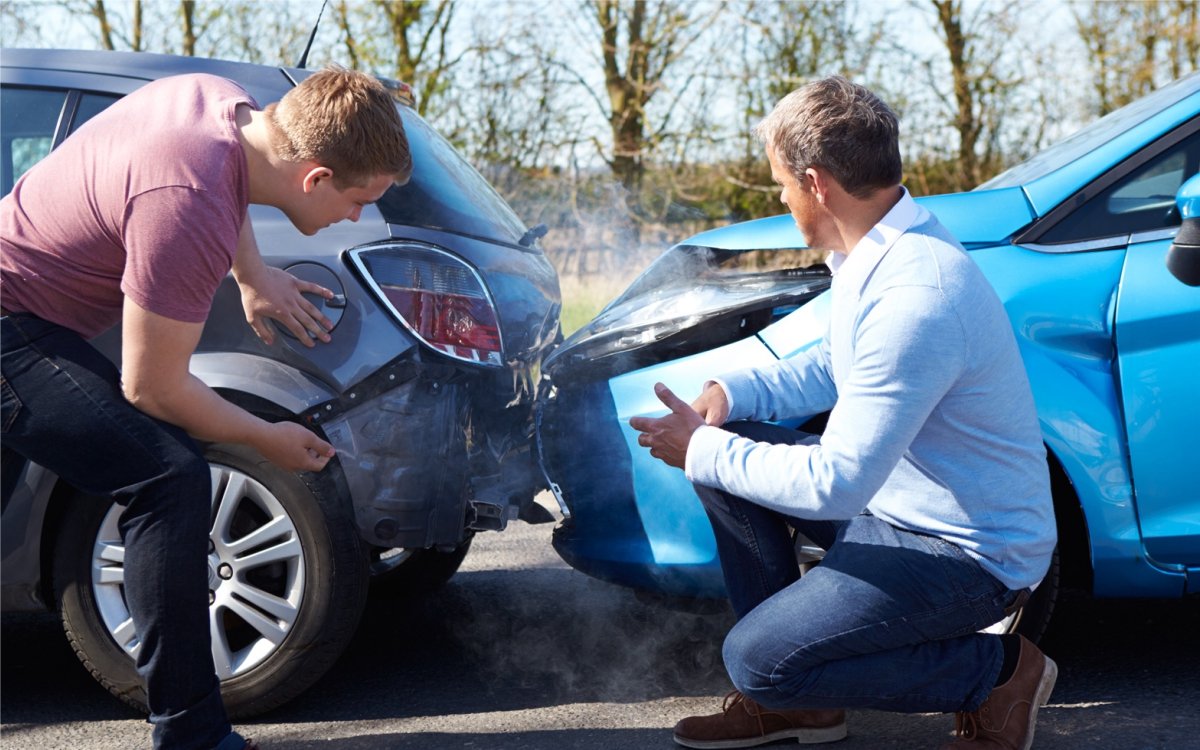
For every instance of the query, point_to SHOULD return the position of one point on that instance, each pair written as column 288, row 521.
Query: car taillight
column 437, row 296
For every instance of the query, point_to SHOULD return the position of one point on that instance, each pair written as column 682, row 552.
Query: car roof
column 266, row 83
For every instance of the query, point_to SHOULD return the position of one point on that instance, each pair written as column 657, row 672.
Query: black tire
column 420, row 572
column 1032, row 620
column 331, row 594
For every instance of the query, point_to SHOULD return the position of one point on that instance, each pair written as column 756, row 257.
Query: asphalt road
column 520, row 652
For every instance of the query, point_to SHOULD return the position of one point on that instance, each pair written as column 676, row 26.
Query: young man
column 928, row 489
column 137, row 218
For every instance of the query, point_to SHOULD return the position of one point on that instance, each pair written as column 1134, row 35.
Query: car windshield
column 1094, row 135
column 445, row 192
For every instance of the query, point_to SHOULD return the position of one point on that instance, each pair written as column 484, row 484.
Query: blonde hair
column 344, row 120
column 841, row 127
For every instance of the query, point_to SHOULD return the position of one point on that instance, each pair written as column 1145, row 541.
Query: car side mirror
column 1183, row 257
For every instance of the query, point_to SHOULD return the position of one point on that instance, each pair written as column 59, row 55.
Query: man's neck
column 857, row 216
column 263, row 166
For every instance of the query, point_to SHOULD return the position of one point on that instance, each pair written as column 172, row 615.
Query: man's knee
column 760, row 672
column 750, row 670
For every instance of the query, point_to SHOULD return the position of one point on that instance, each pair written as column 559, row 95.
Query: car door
column 1156, row 332
column 1158, row 362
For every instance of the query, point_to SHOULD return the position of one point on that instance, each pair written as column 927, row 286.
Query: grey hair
column 841, row 127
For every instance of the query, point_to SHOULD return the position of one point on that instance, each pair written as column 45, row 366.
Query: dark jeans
column 888, row 619
column 63, row 408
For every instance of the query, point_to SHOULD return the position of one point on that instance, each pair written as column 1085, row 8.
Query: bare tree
column 640, row 43
column 1134, row 47
column 187, row 12
column 406, row 40
column 988, row 74
column 105, row 33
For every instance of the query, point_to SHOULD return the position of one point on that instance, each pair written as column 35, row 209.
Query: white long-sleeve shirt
column 933, row 427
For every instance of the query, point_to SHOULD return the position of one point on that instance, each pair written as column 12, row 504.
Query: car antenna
column 311, row 37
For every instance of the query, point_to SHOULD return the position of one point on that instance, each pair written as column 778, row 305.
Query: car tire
column 323, row 579
column 417, row 573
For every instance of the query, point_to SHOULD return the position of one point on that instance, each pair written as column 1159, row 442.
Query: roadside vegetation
column 624, row 125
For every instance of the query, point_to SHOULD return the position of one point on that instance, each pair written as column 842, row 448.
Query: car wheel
column 404, row 572
column 279, row 620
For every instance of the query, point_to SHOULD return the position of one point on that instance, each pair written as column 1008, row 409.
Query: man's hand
column 293, row 448
column 712, row 405
column 272, row 293
column 276, row 294
column 668, row 437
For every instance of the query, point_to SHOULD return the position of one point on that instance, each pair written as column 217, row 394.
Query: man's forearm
column 199, row 410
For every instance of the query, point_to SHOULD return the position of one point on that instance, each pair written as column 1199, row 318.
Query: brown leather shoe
column 1006, row 719
column 744, row 723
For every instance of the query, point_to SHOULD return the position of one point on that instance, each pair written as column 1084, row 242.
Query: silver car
column 444, row 307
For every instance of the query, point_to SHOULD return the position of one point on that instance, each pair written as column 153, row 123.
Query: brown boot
column 1006, row 719
column 744, row 723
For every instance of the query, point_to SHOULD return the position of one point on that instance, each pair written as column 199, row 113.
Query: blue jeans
column 63, row 408
column 887, row 620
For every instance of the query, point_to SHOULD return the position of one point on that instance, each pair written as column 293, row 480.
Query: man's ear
column 818, row 180
column 315, row 175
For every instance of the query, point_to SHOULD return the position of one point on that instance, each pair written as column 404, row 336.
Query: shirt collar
column 865, row 255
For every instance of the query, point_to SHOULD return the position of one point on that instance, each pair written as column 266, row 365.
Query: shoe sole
column 1040, row 698
column 813, row 736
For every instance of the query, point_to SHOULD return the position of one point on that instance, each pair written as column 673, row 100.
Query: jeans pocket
column 10, row 405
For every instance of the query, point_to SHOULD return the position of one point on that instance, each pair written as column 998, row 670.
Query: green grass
column 583, row 297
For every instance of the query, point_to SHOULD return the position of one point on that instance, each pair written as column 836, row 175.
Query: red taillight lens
column 438, row 297
column 453, row 323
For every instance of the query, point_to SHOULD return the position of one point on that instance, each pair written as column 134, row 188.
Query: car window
column 91, row 105
column 1143, row 201
column 446, row 192
column 28, row 118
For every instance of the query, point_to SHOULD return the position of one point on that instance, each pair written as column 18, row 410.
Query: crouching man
column 928, row 489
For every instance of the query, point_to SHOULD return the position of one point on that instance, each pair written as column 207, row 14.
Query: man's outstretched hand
column 668, row 436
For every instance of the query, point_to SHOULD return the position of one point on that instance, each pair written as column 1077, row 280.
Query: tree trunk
column 187, row 9
column 966, row 122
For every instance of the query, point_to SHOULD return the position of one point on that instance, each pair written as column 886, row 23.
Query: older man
column 928, row 489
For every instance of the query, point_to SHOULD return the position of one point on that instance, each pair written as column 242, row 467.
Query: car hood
column 978, row 217
column 732, row 282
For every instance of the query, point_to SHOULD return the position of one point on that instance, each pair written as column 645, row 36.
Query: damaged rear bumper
column 424, row 464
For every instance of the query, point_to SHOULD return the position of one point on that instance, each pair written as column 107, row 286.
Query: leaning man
column 928, row 488
column 136, row 219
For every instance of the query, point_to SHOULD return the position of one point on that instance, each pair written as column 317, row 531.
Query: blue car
column 1074, row 240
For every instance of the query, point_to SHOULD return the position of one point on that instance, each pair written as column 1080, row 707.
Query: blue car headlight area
column 694, row 313
column 689, row 300
column 438, row 297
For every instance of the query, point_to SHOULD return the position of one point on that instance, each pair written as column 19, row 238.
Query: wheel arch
column 1074, row 543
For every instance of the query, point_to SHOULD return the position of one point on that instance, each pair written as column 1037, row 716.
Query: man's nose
column 355, row 213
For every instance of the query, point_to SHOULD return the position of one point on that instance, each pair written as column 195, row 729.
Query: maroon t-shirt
column 145, row 200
